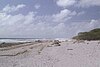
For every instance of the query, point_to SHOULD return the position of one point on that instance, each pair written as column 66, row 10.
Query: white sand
column 69, row 54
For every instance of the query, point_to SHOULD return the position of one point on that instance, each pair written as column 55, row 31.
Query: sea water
column 13, row 40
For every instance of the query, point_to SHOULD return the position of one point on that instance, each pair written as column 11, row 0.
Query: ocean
column 12, row 40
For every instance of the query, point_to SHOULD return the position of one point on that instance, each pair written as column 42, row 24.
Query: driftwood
column 15, row 54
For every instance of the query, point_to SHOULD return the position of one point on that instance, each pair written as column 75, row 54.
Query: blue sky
column 48, row 18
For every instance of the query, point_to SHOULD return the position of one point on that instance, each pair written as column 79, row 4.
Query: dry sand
column 69, row 54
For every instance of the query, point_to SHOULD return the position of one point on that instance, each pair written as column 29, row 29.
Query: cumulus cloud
column 81, row 13
column 10, row 8
column 2, row 15
column 37, row 6
column 63, row 15
column 31, row 25
column 95, row 23
column 88, row 3
column 79, row 3
column 50, row 26
column 65, row 3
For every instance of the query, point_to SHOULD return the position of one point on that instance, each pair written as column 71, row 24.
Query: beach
column 51, row 53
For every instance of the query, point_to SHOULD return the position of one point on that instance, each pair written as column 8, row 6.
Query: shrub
column 91, row 35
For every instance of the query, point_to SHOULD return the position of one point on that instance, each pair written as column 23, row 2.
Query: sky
column 47, row 18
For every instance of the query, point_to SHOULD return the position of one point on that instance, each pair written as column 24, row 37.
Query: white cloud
column 65, row 3
column 81, row 13
column 28, row 25
column 2, row 15
column 63, row 15
column 37, row 6
column 94, row 23
column 73, row 13
column 9, row 8
column 79, row 3
column 88, row 3
column 31, row 25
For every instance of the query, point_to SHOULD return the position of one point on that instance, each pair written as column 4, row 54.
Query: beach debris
column 2, row 44
column 87, row 43
column 15, row 54
column 39, row 41
column 69, row 49
column 56, row 43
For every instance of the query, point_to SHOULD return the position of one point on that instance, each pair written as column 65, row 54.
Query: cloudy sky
column 48, row 18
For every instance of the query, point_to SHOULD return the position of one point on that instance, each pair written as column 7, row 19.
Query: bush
column 91, row 35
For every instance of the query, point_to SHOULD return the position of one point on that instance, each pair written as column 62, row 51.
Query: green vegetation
column 91, row 35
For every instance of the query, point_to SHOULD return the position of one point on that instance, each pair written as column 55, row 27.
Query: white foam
column 61, row 39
